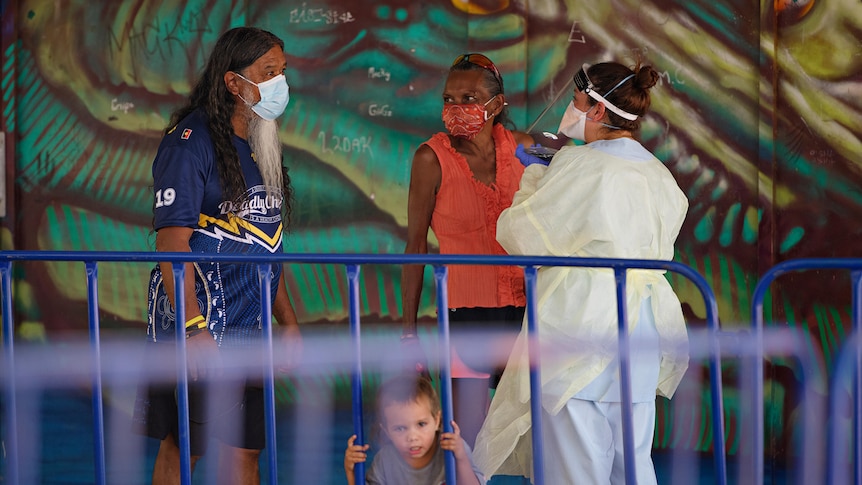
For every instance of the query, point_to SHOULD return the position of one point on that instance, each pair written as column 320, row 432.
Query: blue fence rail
column 850, row 360
column 353, row 263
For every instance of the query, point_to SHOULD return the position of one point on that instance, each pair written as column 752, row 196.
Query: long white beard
column 264, row 142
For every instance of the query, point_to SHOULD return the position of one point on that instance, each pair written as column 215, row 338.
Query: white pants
column 584, row 443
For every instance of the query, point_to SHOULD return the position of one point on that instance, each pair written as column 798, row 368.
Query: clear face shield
column 547, row 135
column 582, row 81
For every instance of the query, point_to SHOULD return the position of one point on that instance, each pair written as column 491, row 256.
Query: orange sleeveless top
column 465, row 222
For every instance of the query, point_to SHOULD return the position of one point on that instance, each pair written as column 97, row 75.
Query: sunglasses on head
column 481, row 61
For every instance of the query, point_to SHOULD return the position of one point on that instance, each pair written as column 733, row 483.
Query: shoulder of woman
column 426, row 169
column 521, row 138
column 425, row 155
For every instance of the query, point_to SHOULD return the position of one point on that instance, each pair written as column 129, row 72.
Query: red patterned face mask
column 465, row 120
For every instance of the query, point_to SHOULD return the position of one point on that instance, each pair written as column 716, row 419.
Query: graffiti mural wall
column 758, row 114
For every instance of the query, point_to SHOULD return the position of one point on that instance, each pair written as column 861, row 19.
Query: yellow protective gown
column 607, row 199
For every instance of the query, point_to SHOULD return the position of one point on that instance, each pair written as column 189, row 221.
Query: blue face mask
column 274, row 95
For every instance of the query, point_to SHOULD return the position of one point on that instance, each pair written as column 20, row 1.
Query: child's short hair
column 404, row 389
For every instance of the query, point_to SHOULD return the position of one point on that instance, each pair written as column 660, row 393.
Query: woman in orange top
column 460, row 182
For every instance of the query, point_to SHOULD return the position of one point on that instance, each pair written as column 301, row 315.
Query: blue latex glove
column 527, row 159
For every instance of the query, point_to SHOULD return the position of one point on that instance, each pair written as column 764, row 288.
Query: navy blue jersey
column 188, row 193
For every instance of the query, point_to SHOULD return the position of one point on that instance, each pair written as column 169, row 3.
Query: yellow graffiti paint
column 481, row 7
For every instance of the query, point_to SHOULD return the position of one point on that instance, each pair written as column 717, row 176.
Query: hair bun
column 646, row 77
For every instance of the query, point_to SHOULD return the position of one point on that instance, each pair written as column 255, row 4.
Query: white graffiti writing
column 345, row 144
column 379, row 110
column 672, row 80
column 306, row 15
column 118, row 106
column 575, row 35
column 378, row 74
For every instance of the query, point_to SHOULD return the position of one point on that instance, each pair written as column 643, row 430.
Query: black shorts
column 477, row 333
column 233, row 413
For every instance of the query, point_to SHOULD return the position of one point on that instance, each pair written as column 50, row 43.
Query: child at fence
column 408, row 410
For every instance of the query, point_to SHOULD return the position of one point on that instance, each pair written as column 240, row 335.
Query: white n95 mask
column 573, row 123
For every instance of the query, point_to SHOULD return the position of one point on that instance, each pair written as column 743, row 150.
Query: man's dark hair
column 235, row 50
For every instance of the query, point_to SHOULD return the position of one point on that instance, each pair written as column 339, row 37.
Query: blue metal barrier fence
column 852, row 348
column 353, row 262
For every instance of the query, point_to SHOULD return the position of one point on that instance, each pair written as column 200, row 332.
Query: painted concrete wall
column 758, row 114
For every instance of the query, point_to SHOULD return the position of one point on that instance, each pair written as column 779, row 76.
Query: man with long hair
column 220, row 187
